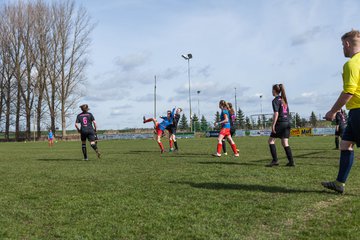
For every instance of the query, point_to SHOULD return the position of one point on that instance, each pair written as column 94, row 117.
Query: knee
column 346, row 145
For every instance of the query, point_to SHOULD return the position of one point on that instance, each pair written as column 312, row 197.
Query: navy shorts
column 232, row 131
column 282, row 130
column 352, row 130
column 88, row 135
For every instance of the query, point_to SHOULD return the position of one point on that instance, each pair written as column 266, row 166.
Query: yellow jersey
column 351, row 79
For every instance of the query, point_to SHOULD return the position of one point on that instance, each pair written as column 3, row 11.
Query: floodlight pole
column 198, row 92
column 188, row 57
column 235, row 103
column 155, row 98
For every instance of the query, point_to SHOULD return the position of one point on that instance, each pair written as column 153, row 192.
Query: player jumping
column 225, row 129
column 172, row 130
column 87, row 130
column 160, row 127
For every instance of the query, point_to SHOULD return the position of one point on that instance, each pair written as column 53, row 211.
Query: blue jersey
column 222, row 118
column 50, row 135
column 167, row 121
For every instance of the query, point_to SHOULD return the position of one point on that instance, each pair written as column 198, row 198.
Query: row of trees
column 43, row 56
column 246, row 122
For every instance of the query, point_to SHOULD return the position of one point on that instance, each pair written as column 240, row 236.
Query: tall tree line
column 43, row 56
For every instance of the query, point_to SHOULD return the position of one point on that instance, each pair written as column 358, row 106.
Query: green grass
column 133, row 192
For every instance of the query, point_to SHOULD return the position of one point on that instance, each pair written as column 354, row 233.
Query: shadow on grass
column 305, row 155
column 225, row 162
column 249, row 187
column 142, row 151
column 60, row 159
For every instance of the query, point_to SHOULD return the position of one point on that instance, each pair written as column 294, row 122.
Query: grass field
column 133, row 192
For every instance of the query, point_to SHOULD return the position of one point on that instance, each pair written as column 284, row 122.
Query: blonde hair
column 353, row 36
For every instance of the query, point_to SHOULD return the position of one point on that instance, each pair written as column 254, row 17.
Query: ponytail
column 283, row 94
column 231, row 109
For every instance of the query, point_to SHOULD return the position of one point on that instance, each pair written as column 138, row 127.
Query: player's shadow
column 248, row 187
column 141, row 151
column 60, row 159
column 225, row 162
column 304, row 155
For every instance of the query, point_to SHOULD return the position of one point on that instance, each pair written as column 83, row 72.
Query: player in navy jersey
column 232, row 120
column 225, row 129
column 340, row 121
column 160, row 127
column 280, row 127
column 86, row 126
column 172, row 130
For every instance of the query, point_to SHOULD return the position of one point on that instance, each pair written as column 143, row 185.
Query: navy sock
column 289, row 154
column 273, row 152
column 94, row 146
column 346, row 161
column 176, row 146
column 337, row 142
column 83, row 146
column 224, row 145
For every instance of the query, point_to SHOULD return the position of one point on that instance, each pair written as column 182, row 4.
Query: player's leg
column 173, row 136
column 233, row 145
column 224, row 146
column 93, row 144
column 336, row 142
column 146, row 120
column 171, row 141
column 273, row 152
column 83, row 146
column 285, row 144
column 219, row 145
column 158, row 139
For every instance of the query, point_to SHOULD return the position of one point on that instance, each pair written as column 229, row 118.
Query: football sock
column 273, row 152
column 176, row 146
column 94, row 146
column 346, row 161
column 289, row 154
column 83, row 146
column 219, row 147
column 161, row 146
column 224, row 145
column 337, row 142
column 148, row 120
column 171, row 143
column 233, row 146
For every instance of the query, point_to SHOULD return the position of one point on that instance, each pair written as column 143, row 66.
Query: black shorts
column 171, row 129
column 282, row 130
column 340, row 132
column 352, row 130
column 88, row 135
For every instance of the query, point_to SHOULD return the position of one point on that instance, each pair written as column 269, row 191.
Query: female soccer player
column 225, row 129
column 340, row 126
column 172, row 130
column 50, row 138
column 232, row 120
column 281, row 125
column 87, row 130
column 160, row 127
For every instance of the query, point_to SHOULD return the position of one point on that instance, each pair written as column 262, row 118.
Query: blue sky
column 249, row 45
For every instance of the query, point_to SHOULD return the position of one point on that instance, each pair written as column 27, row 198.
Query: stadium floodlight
column 188, row 57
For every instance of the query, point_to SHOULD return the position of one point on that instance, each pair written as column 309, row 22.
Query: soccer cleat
column 216, row 155
column 238, row 150
column 273, row 163
column 85, row 159
column 144, row 118
column 225, row 154
column 335, row 186
column 290, row 164
column 236, row 155
column 162, row 151
column 98, row 154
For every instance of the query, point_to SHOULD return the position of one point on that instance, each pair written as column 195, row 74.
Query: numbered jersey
column 85, row 119
column 281, row 108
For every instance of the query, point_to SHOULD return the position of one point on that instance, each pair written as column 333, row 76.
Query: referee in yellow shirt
column 350, row 96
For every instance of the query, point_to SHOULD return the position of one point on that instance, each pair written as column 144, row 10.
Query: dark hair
column 224, row 104
column 231, row 109
column 84, row 108
column 279, row 89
